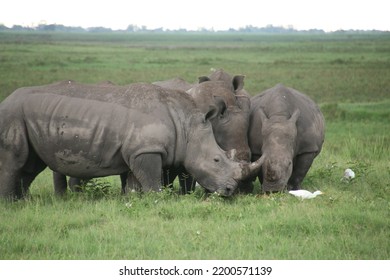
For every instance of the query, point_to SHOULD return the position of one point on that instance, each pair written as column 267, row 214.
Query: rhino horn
column 295, row 116
column 232, row 154
column 250, row 169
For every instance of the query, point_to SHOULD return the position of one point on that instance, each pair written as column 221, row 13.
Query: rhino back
column 175, row 83
column 98, row 125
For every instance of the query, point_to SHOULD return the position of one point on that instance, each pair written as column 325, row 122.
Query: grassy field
column 347, row 75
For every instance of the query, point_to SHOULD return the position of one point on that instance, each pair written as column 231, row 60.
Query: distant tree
column 18, row 28
column 3, row 27
column 158, row 30
column 46, row 27
column 132, row 28
column 99, row 29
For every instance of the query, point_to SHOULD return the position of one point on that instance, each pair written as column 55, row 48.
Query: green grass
column 348, row 75
column 329, row 68
column 347, row 222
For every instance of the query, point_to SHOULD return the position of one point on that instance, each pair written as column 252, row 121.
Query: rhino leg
column 75, row 183
column 124, row 177
column 147, row 170
column 302, row 164
column 31, row 169
column 15, row 182
column 10, row 184
column 59, row 181
column 130, row 183
column 27, row 179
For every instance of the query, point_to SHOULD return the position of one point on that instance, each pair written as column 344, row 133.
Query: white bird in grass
column 304, row 194
column 349, row 174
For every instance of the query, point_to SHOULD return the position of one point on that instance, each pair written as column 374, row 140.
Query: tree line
column 135, row 28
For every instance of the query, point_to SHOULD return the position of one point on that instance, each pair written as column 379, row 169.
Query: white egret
column 304, row 194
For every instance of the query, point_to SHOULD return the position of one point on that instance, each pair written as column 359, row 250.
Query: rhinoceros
column 230, row 124
column 287, row 131
column 87, row 131
column 237, row 138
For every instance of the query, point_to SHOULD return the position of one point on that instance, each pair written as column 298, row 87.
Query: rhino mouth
column 226, row 190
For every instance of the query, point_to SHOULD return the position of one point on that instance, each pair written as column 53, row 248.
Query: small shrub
column 95, row 188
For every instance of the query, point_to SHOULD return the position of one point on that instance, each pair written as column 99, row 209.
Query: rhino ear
column 238, row 82
column 211, row 113
column 295, row 116
column 203, row 79
column 220, row 105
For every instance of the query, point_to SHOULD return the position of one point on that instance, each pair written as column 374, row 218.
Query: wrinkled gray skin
column 287, row 130
column 60, row 181
column 87, row 131
column 230, row 124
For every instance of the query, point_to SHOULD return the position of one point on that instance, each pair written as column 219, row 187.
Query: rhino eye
column 217, row 159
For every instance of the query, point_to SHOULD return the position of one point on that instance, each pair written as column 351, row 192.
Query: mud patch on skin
column 67, row 157
column 73, row 163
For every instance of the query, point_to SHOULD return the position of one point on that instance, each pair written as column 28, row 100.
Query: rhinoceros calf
column 88, row 131
column 287, row 130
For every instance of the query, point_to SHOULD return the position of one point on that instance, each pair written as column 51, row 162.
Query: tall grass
column 346, row 75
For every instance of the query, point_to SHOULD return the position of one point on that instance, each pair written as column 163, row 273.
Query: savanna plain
column 348, row 75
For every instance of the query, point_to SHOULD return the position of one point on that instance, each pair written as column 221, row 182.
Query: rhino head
column 231, row 121
column 209, row 163
column 279, row 136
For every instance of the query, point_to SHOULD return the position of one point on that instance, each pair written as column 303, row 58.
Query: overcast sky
column 329, row 15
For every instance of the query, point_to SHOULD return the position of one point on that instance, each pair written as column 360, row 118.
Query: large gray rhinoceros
column 237, row 138
column 287, row 130
column 88, row 131
column 230, row 124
